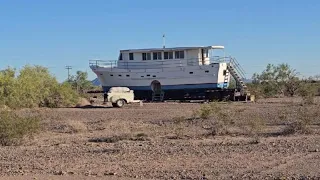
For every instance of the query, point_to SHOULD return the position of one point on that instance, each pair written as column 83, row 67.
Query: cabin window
column 206, row 71
column 119, row 75
column 206, row 53
column 179, row 54
column 130, row 56
column 157, row 56
column 168, row 55
column 190, row 72
column 120, row 56
column 128, row 75
column 146, row 56
column 148, row 74
column 154, row 76
column 111, row 74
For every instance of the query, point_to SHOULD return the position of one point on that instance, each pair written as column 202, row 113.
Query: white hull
column 207, row 76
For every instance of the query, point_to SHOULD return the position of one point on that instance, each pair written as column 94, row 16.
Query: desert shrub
column 304, row 118
column 255, row 126
column 307, row 92
column 205, row 111
column 62, row 96
column 220, row 121
column 14, row 128
column 179, row 119
column 77, row 126
column 277, row 80
column 34, row 86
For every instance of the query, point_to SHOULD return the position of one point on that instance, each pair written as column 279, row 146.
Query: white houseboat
column 178, row 70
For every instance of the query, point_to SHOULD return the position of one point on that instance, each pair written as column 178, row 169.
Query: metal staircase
column 238, row 74
column 158, row 96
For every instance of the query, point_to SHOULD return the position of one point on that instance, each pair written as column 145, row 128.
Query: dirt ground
column 167, row 141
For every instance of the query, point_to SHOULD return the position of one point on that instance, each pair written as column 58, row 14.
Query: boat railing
column 161, row 64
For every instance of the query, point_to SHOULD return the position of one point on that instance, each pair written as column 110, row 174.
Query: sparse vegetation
column 307, row 93
column 205, row 111
column 304, row 117
column 33, row 87
column 281, row 80
column 77, row 126
column 13, row 128
column 255, row 126
column 277, row 80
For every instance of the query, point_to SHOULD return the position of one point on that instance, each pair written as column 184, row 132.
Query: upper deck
column 163, row 57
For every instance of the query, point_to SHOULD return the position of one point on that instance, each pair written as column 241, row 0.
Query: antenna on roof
column 164, row 40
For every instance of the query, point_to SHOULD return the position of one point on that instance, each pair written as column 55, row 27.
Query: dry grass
column 77, row 126
column 13, row 128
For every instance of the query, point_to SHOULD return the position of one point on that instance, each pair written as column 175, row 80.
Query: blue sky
column 56, row 33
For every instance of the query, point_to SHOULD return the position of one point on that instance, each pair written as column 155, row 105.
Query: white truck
column 119, row 96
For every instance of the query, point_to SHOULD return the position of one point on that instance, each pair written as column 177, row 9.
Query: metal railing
column 167, row 63
column 237, row 67
column 144, row 64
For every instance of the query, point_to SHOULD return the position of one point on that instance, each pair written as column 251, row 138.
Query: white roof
column 119, row 89
column 172, row 49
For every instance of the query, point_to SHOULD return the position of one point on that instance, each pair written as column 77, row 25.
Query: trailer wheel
column 119, row 103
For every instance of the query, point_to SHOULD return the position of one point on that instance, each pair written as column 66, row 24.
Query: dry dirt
column 164, row 141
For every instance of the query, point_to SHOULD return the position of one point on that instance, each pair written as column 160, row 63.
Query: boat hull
column 184, row 87
column 175, row 82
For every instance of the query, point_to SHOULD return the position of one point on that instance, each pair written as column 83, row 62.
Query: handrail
column 148, row 62
column 160, row 64
column 235, row 64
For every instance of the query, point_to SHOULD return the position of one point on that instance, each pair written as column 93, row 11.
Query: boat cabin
column 166, row 57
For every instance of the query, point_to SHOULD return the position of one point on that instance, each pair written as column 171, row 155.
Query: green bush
column 34, row 87
column 205, row 111
column 14, row 128
column 307, row 92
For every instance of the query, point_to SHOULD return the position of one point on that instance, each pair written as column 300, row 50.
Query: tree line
column 282, row 80
column 34, row 86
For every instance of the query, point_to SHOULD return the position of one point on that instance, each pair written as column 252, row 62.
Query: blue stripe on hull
column 175, row 87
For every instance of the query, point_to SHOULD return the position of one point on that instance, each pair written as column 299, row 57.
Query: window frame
column 179, row 54
column 169, row 55
column 157, row 55
column 131, row 56
column 146, row 56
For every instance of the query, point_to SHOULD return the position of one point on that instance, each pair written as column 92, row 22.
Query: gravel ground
column 163, row 141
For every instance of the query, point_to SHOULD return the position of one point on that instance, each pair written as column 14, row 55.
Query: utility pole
column 68, row 68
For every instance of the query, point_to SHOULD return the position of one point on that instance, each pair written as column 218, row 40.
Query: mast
column 164, row 40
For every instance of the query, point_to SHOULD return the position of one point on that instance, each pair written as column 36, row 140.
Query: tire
column 120, row 103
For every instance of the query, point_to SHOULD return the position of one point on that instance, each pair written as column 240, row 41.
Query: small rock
column 60, row 173
column 109, row 173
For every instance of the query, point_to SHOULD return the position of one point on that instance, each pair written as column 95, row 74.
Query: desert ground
column 169, row 141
